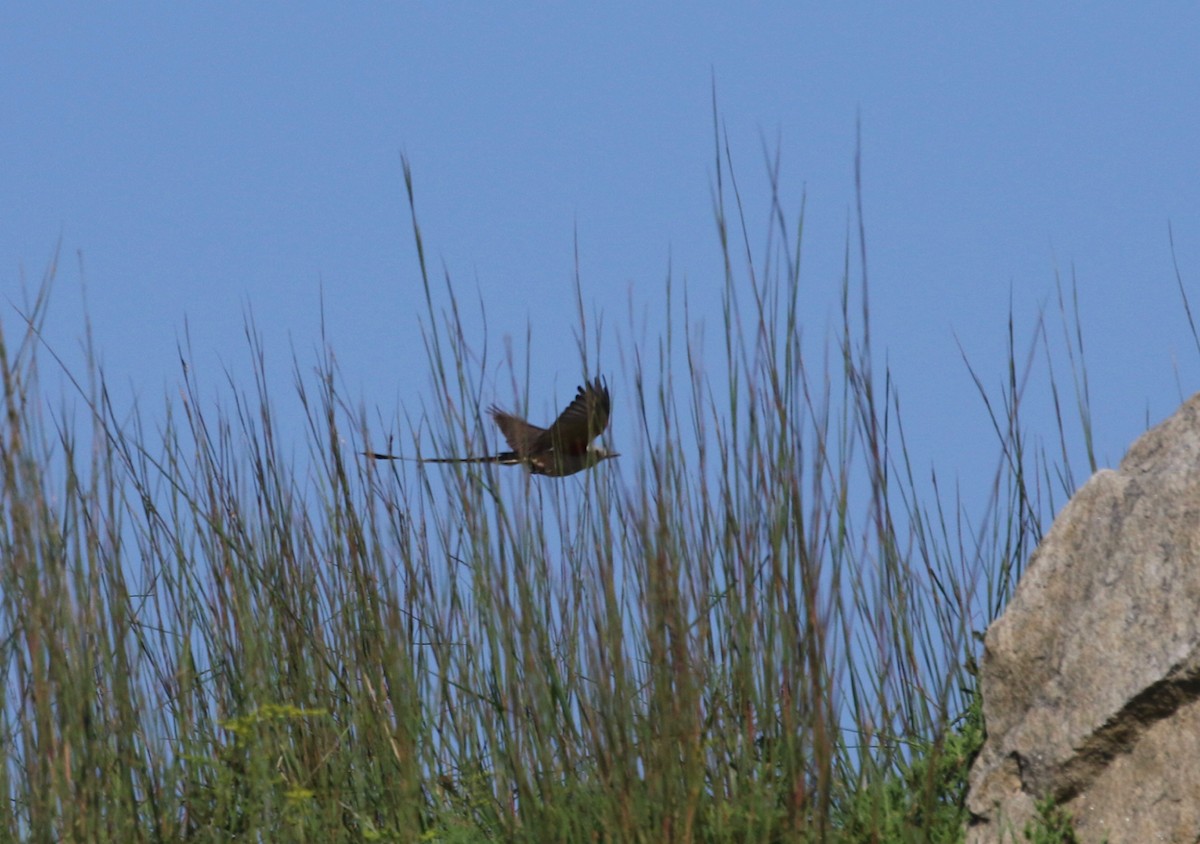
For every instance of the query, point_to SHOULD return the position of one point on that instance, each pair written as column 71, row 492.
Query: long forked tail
column 505, row 458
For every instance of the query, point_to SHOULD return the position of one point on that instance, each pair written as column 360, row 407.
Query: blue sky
column 199, row 161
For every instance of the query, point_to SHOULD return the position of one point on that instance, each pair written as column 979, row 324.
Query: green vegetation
column 759, row 629
column 1053, row 825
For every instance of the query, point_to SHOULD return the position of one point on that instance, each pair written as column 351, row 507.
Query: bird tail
column 378, row 456
column 504, row 458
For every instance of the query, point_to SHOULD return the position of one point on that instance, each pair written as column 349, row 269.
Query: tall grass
column 758, row 628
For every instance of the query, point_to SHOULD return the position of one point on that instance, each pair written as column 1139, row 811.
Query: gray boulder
column 1091, row 678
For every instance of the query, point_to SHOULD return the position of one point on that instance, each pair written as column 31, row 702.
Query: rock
column 1091, row 678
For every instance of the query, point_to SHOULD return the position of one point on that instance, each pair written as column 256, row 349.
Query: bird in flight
column 564, row 448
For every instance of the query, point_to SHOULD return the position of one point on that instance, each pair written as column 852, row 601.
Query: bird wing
column 584, row 419
column 521, row 436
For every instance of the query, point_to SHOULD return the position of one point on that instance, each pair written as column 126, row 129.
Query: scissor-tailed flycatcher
column 562, row 449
